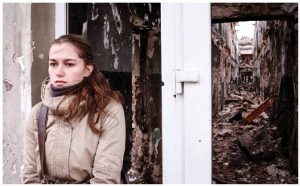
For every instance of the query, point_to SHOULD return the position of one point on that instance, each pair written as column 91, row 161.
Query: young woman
column 85, row 128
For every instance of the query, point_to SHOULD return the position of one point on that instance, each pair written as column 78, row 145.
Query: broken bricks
column 257, row 145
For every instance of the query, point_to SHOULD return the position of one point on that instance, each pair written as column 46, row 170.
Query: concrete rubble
column 247, row 153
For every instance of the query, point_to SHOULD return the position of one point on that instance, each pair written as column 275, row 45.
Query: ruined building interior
column 254, row 94
column 253, row 82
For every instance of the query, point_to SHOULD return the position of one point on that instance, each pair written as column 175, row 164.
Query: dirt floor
column 231, row 163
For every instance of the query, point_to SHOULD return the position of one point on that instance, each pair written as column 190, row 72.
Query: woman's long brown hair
column 94, row 94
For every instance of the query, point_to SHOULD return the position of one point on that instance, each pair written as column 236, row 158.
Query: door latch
column 184, row 76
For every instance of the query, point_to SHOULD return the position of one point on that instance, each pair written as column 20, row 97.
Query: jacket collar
column 52, row 102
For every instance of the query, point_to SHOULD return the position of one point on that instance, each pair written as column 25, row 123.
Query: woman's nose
column 59, row 71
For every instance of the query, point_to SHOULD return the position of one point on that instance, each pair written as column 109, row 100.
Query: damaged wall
column 126, row 38
column 146, row 81
column 276, row 56
column 224, row 63
column 16, row 86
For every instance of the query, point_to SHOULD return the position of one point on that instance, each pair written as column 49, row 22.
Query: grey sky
column 245, row 28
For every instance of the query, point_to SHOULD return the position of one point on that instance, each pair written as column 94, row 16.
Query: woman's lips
column 59, row 82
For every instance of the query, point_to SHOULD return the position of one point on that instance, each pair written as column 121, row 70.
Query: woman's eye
column 69, row 64
column 52, row 64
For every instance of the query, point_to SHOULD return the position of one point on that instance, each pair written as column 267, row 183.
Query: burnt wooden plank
column 265, row 105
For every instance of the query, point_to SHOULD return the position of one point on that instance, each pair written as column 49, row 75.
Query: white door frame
column 186, row 116
column 60, row 19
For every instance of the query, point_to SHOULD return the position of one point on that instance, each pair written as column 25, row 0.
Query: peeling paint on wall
column 117, row 18
column 114, row 54
column 7, row 85
column 18, row 60
column 105, row 32
column 153, row 38
column 146, row 114
column 94, row 11
column 128, row 38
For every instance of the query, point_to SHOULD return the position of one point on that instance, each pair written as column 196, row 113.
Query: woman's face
column 66, row 68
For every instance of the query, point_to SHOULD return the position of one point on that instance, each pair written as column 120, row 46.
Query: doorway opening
column 254, row 93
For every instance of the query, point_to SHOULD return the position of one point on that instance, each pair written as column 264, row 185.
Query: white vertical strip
column 25, row 76
column 179, row 101
column 25, row 73
column 60, row 19
column 197, row 96
column 1, row 91
column 172, row 118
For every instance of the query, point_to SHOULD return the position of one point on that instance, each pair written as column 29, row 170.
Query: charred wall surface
column 276, row 57
column 224, row 63
column 126, row 40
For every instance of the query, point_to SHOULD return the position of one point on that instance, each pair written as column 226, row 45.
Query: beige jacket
column 73, row 152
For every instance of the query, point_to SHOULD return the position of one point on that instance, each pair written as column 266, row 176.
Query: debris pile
column 248, row 152
column 257, row 144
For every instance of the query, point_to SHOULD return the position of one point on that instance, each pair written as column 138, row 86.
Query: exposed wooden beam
column 233, row 12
